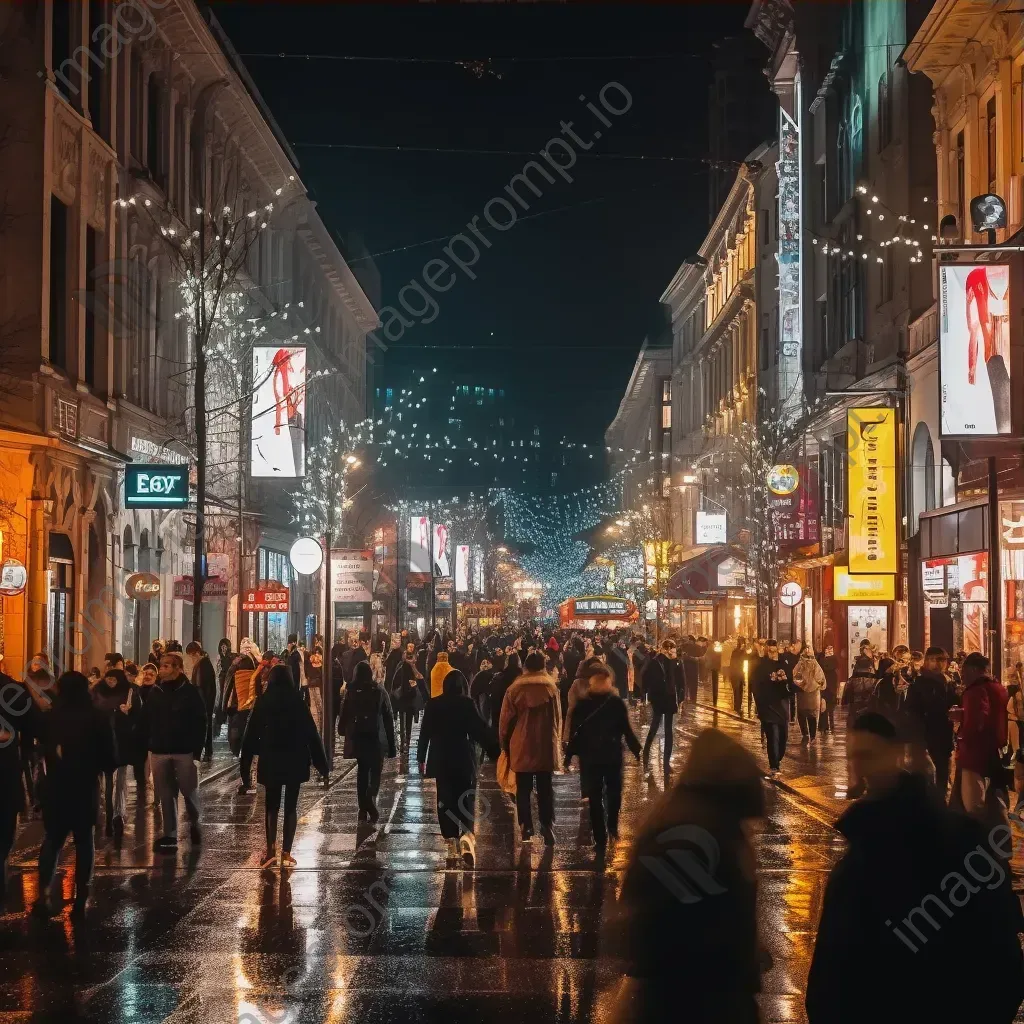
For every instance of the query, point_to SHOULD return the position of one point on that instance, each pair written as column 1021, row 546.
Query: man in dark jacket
column 204, row 679
column 174, row 718
column 368, row 725
column 663, row 684
column 690, row 654
column 618, row 662
column 293, row 659
column 929, row 698
column 772, row 687
column 940, row 919
column 78, row 746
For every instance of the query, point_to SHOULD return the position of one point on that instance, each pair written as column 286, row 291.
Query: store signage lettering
column 142, row 586
column 601, row 607
column 155, row 486
column 863, row 587
column 874, row 541
column 265, row 600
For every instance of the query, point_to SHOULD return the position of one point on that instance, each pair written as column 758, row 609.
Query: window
column 135, row 92
column 99, row 80
column 60, row 52
column 884, row 110
column 154, row 137
column 94, row 293
column 58, row 282
column 844, row 166
column 666, row 390
column 990, row 124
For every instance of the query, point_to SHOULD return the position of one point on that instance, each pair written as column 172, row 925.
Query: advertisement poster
column 478, row 570
column 974, row 350
column 442, row 562
column 794, row 503
column 711, row 528
column 419, row 544
column 462, row 568
column 268, row 598
column 872, row 483
column 351, row 575
column 278, row 412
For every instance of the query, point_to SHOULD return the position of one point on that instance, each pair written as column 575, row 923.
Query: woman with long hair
column 280, row 731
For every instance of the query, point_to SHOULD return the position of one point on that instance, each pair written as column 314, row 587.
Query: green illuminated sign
column 155, row 486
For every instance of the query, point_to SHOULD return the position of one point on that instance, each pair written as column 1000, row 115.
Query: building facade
column 97, row 355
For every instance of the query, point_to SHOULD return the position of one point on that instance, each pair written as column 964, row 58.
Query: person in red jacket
column 982, row 733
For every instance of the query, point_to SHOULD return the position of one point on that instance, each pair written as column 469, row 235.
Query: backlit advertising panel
column 419, row 545
column 872, row 483
column 278, row 447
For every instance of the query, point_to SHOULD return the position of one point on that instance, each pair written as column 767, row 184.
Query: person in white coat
column 809, row 680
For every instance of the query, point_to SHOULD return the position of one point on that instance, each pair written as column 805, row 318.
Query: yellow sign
column 868, row 587
column 871, row 489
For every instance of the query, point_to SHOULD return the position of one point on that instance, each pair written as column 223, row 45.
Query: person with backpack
column 600, row 724
column 452, row 728
column 368, row 726
column 282, row 734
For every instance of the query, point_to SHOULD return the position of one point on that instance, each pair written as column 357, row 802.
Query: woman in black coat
column 112, row 693
column 281, row 732
column 499, row 687
column 446, row 753
column 368, row 725
column 409, row 694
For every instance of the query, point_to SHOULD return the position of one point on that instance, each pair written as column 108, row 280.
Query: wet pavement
column 374, row 924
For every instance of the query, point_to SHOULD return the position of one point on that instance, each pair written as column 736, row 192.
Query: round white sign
column 791, row 594
column 306, row 556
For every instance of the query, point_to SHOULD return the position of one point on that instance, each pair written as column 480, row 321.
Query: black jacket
column 359, row 694
column 205, row 678
column 772, row 685
column 663, row 684
column 480, row 692
column 20, row 722
column 127, row 728
column 600, row 724
column 281, row 732
column 78, row 745
column 828, row 666
column 938, row 917
column 450, row 726
column 293, row 659
column 174, row 718
column 618, row 662
column 499, row 687
column 926, row 711
column 352, row 657
column 406, row 697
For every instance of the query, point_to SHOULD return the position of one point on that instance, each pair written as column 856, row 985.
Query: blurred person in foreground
column 689, row 900
column 927, row 892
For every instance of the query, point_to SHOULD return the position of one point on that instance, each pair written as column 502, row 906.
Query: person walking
column 618, row 662
column 709, row 908
column 530, row 728
column 174, row 724
column 663, row 685
column 772, row 688
column 368, row 726
column 238, row 697
column 600, row 725
column 503, row 679
column 452, row 728
column 20, row 724
column 78, row 746
column 204, row 678
column 809, row 682
column 690, row 655
column 859, row 688
column 940, row 919
column 830, row 669
column 929, row 700
column 408, row 693
column 982, row 733
column 314, row 673
column 438, row 673
column 281, row 732
column 118, row 700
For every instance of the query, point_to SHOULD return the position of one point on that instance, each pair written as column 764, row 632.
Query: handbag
column 506, row 777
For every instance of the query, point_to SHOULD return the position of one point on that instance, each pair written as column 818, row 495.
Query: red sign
column 215, row 589
column 265, row 600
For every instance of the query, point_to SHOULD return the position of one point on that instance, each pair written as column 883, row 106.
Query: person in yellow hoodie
column 239, row 697
column 438, row 672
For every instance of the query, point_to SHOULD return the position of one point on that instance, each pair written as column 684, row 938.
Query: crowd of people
column 933, row 747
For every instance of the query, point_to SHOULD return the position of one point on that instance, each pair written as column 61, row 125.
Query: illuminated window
column 666, row 417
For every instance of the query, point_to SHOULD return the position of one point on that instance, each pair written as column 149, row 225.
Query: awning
column 707, row 574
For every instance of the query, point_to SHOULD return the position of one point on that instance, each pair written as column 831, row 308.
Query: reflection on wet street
column 374, row 925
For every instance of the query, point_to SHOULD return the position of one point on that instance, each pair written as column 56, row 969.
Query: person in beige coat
column 530, row 730
column 809, row 680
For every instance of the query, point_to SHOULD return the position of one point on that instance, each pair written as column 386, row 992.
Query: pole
column 430, row 526
column 455, row 588
column 328, row 694
column 995, row 582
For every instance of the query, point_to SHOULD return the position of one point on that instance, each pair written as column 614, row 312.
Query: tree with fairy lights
column 211, row 248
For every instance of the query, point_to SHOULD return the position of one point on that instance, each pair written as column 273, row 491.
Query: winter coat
column 131, row 747
column 691, row 935
column 809, row 681
column 78, row 746
column 662, row 684
column 943, row 944
column 771, row 688
column 499, row 687
column 451, row 726
column 530, row 724
column 20, row 722
column 280, row 731
column 441, row 668
column 205, row 679
column 885, row 697
column 407, row 692
column 858, row 692
column 240, row 692
column 618, row 662
column 600, row 724
column 174, row 718
column 365, row 694
column 352, row 657
column 983, row 727
column 479, row 691
column 927, row 713
column 578, row 689
column 831, row 672
column 293, row 659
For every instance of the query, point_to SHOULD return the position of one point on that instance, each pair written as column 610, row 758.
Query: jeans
column 808, row 723
column 368, row 783
column 455, row 808
column 776, row 736
column 116, row 792
column 272, row 807
column 58, row 828
column 604, row 786
column 545, row 799
column 173, row 774
column 656, row 718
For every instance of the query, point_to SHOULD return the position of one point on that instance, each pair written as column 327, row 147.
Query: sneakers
column 269, row 860
column 467, row 844
column 165, row 844
column 288, row 861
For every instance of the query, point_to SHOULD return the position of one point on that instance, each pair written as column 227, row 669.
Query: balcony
column 924, row 331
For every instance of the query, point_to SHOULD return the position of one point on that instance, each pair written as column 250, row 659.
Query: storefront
column 864, row 609
column 602, row 610
column 707, row 596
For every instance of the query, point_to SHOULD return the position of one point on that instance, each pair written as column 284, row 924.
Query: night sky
column 562, row 301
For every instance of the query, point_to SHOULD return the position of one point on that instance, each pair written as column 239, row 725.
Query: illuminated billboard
column 872, row 485
column 462, row 568
column 278, row 429
column 419, row 544
column 974, row 350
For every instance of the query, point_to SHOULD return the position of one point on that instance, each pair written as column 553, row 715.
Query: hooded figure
column 709, row 908
column 809, row 681
column 446, row 752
